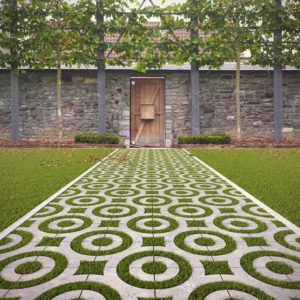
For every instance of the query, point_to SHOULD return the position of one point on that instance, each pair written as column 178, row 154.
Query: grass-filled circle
column 150, row 186
column 69, row 224
column 232, row 192
column 127, row 180
column 182, row 192
column 208, row 289
column 152, row 200
column 70, row 192
column 154, row 267
column 205, row 186
column 49, row 210
column 201, row 176
column 85, row 200
column 175, row 180
column 97, row 186
column 103, row 290
column 240, row 224
column 218, row 200
column 146, row 224
column 254, row 210
column 205, row 242
column 28, row 267
column 155, row 175
column 279, row 267
column 190, row 211
column 114, row 211
column 15, row 240
column 180, row 276
column 280, row 264
column 101, row 242
column 122, row 192
column 288, row 239
column 59, row 264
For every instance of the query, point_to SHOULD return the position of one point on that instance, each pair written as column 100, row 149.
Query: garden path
column 151, row 224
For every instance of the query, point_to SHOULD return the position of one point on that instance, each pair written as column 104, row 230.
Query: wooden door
column 147, row 112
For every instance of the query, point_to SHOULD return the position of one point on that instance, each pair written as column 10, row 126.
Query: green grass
column 216, row 267
column 29, row 176
column 271, row 175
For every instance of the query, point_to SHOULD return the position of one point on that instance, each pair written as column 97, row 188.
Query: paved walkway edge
column 279, row 217
column 15, row 225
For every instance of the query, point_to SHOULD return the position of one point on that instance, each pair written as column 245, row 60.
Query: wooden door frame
column 163, row 79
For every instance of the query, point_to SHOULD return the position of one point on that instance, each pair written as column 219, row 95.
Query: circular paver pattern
column 182, row 192
column 238, row 290
column 240, row 224
column 219, row 200
column 151, row 186
column 49, row 210
column 85, row 200
column 152, row 200
column 114, row 211
column 190, row 211
column 254, row 210
column 35, row 267
column 15, row 240
column 93, row 290
column 122, row 192
column 272, row 267
column 97, row 186
column 139, row 269
column 205, row 186
column 101, row 242
column 153, row 224
column 205, row 242
column 65, row 224
column 288, row 239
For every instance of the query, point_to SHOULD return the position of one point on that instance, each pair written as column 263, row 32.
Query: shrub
column 205, row 139
column 97, row 138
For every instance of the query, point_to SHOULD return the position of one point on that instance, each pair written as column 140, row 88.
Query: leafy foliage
column 204, row 139
column 271, row 18
column 97, row 138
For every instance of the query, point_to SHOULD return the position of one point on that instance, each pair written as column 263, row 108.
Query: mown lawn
column 29, row 176
column 271, row 175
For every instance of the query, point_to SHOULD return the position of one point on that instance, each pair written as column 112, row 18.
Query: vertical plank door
column 147, row 112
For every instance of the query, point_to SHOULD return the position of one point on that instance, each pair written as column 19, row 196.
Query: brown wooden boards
column 148, row 112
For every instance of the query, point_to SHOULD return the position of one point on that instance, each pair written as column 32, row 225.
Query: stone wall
column 217, row 108
column 217, row 103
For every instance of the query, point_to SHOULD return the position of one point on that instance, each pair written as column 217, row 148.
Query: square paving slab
column 151, row 224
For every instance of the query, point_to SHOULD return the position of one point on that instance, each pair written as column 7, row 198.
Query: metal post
column 14, row 79
column 278, row 116
column 14, row 85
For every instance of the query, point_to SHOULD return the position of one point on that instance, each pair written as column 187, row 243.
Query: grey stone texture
column 217, row 107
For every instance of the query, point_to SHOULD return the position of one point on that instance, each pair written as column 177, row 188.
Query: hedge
column 205, row 139
column 97, row 138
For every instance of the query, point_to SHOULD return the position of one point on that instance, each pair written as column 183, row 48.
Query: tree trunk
column 237, row 93
column 59, row 99
column 100, row 68
column 195, row 84
column 278, row 119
